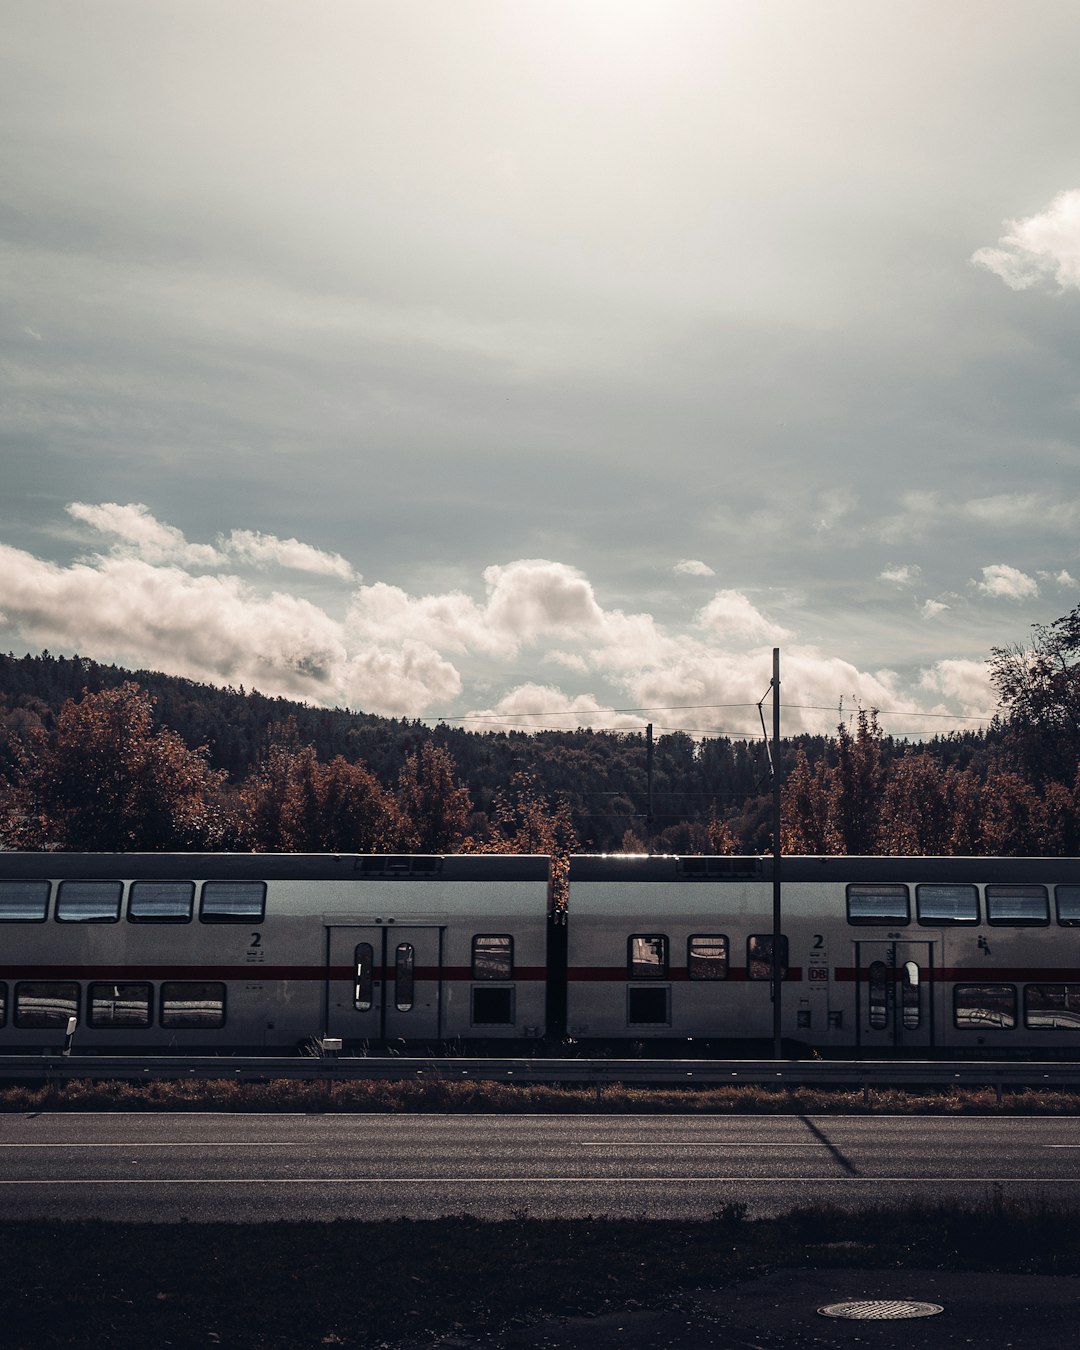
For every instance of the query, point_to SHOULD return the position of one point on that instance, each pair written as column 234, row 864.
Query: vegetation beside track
column 372, row 1095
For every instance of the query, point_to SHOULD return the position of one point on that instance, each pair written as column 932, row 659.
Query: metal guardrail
column 851, row 1074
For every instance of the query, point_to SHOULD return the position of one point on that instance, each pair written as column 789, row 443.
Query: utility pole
column 777, row 918
column 648, row 772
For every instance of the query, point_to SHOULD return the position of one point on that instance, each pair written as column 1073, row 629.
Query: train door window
column 878, row 904
column 759, row 953
column 982, row 1007
column 1068, row 905
column 707, row 957
column 940, row 904
column 24, row 901
column 88, row 901
column 877, row 994
column 192, row 1003
column 3, row 1003
column 161, row 901
column 647, row 956
column 404, row 977
column 364, row 981
column 492, row 1007
column 1017, row 905
column 492, row 956
column 1056, row 1006
column 233, row 902
column 46, row 1003
column 910, row 996
column 119, row 1005
column 648, row 1006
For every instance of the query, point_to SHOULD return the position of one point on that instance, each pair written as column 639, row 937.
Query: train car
column 259, row 953
column 879, row 955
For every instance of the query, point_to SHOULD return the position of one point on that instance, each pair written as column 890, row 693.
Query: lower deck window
column 119, row 1005
column 648, row 1007
column 3, row 1003
column 492, row 1007
column 1052, row 1005
column 192, row 1003
column 707, row 957
column 647, row 956
column 981, row 1007
column 759, row 953
column 46, row 1003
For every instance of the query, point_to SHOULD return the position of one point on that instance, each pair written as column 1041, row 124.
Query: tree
column 106, row 781
column 434, row 806
column 524, row 820
column 1039, row 688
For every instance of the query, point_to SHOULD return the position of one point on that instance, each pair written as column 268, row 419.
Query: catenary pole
column 777, row 941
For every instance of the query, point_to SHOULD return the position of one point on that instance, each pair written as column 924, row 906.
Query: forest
column 97, row 758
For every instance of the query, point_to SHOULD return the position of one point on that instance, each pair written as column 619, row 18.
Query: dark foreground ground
column 1006, row 1278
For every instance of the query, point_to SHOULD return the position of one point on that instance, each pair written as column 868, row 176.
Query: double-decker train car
column 234, row 953
column 878, row 955
column 263, row 953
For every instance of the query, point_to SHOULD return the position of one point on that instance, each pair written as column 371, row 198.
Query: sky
column 543, row 362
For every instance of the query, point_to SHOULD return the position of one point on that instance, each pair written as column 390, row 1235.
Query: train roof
column 447, row 867
column 587, row 868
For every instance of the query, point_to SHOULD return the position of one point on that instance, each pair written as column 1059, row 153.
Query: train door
column 894, row 995
column 384, row 983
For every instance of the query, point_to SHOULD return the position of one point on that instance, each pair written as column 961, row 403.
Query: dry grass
column 365, row 1095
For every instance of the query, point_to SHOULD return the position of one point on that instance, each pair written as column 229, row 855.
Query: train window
column 947, row 904
column 878, row 904
column 161, row 901
column 979, row 1007
column 1017, row 905
column 364, row 983
column 492, row 956
column 119, row 1005
column 910, row 999
column 492, row 1007
column 878, row 995
column 192, row 1003
column 707, row 957
column 233, row 902
column 1068, row 905
column 647, row 956
column 759, row 950
column 647, row 1007
column 25, row 901
column 41, row 1003
column 88, row 901
column 3, row 1003
column 404, row 976
column 1052, row 1005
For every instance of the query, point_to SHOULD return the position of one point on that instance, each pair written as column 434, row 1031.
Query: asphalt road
column 252, row 1168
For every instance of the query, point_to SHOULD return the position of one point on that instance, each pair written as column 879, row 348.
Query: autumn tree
column 106, row 780
column 525, row 820
column 1039, row 687
column 434, row 806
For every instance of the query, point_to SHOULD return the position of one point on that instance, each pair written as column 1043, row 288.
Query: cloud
column 536, row 706
column 1039, row 250
column 1062, row 579
column 1007, row 583
column 267, row 549
column 141, row 535
column 730, row 614
column 932, row 608
column 966, row 683
column 901, row 576
column 1006, row 512
column 691, row 567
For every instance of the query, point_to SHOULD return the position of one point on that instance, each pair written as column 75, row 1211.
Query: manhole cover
column 880, row 1309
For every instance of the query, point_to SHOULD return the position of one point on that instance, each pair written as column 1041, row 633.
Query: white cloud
column 691, row 567
column 906, row 575
column 1007, row 583
column 536, row 706
column 730, row 614
column 142, row 535
column 932, row 608
column 263, row 549
column 1063, row 579
column 966, row 683
column 1040, row 250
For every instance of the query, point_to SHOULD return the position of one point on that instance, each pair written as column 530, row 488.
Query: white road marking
column 530, row 1181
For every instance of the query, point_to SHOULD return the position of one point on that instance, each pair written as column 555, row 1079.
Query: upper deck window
column 947, row 904
column 161, row 901
column 878, row 904
column 1017, row 905
column 25, row 901
column 233, row 902
column 88, row 901
column 1068, row 905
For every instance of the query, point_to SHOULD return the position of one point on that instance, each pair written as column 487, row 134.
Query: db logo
column 819, row 972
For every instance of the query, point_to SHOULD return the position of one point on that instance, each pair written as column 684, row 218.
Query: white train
column 250, row 953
